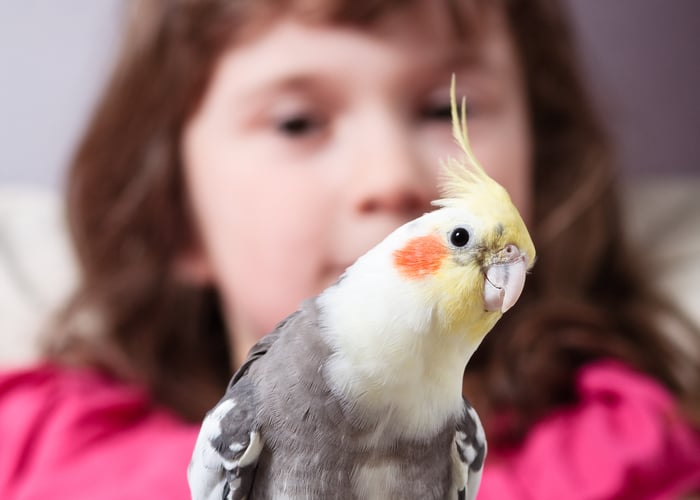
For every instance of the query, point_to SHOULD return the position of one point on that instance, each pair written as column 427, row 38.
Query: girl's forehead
column 461, row 20
column 425, row 29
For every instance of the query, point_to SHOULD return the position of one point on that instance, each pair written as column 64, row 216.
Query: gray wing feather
column 227, row 448
column 470, row 441
column 224, row 458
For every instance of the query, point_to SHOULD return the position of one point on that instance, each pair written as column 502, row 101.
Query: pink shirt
column 76, row 434
column 625, row 439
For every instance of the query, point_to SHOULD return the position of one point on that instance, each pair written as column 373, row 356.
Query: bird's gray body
column 312, row 444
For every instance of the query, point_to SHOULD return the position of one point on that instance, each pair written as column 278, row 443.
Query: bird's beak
column 505, row 279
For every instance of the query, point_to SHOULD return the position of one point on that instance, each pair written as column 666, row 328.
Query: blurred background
column 640, row 56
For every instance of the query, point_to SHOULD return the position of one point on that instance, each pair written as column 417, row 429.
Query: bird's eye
column 459, row 237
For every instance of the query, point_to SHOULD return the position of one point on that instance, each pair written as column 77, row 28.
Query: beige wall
column 645, row 66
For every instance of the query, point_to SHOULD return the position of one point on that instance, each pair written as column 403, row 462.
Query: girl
column 246, row 152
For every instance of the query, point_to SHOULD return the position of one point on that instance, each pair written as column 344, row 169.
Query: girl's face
column 314, row 142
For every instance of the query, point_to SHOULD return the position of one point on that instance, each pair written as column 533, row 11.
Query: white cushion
column 37, row 270
column 663, row 224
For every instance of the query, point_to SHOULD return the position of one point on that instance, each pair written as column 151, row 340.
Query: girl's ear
column 193, row 267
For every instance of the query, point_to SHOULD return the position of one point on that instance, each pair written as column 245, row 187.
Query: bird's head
column 470, row 256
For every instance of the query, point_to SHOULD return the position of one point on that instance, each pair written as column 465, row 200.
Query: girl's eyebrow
column 458, row 58
column 258, row 99
column 477, row 60
column 321, row 83
column 314, row 83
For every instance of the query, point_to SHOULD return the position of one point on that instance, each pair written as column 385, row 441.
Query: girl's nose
column 392, row 173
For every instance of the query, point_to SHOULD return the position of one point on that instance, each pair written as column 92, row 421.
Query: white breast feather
column 388, row 355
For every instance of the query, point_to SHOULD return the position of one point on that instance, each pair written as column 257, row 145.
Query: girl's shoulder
column 624, row 438
column 78, row 433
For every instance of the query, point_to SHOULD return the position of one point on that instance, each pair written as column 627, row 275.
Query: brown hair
column 129, row 219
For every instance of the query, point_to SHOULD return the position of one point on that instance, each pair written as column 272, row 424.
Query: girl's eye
column 442, row 110
column 298, row 125
column 438, row 112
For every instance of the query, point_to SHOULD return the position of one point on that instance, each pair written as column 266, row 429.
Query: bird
column 358, row 394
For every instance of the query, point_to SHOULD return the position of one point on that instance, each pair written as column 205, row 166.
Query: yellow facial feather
column 461, row 298
column 465, row 184
column 466, row 181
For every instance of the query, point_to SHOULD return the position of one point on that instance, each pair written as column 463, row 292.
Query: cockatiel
column 358, row 394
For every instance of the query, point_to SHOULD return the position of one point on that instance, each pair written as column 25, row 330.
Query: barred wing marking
column 468, row 454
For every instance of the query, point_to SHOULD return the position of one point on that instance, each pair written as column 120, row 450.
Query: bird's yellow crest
column 466, row 182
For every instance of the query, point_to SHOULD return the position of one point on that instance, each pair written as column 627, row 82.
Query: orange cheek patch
column 421, row 256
